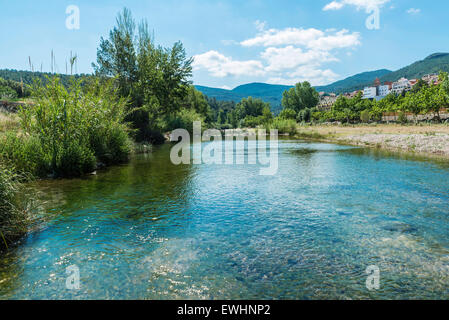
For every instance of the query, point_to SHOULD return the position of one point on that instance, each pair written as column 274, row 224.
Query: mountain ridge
column 272, row 93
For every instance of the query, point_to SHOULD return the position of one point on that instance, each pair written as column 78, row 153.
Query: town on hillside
column 377, row 91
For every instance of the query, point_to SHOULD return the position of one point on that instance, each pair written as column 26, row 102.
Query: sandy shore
column 422, row 139
column 437, row 144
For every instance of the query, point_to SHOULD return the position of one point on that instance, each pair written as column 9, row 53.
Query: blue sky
column 236, row 42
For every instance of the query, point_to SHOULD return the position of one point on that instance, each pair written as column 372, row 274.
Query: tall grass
column 8, row 122
column 66, row 132
column 17, row 211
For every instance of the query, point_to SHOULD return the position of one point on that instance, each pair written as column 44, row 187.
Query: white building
column 369, row 93
column 384, row 90
column 401, row 85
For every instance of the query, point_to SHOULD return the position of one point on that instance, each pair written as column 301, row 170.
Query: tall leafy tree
column 195, row 100
column 419, row 85
column 251, row 107
column 155, row 78
column 116, row 56
column 300, row 97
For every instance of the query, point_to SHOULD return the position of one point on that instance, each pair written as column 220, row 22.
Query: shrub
column 24, row 153
column 284, row 126
column 67, row 130
column 74, row 160
column 287, row 114
column 150, row 135
column 402, row 117
column 182, row 119
column 16, row 211
column 251, row 121
column 111, row 145
column 304, row 115
column 118, row 144
column 7, row 93
column 365, row 116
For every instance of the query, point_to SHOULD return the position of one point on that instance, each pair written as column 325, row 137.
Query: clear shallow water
column 152, row 230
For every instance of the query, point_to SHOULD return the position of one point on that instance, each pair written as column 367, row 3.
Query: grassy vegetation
column 8, row 122
column 284, row 126
column 17, row 211
column 66, row 132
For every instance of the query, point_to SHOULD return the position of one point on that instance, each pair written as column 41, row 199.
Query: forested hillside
column 432, row 64
column 28, row 76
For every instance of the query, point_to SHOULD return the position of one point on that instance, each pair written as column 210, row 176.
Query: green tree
column 287, row 114
column 415, row 103
column 156, row 79
column 195, row 100
column 419, row 85
column 232, row 119
column 443, row 92
column 251, row 107
column 267, row 115
column 221, row 119
column 302, row 96
column 116, row 56
column 365, row 116
column 305, row 115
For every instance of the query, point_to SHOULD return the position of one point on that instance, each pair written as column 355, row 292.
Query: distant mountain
column 267, row 92
column 353, row 83
column 273, row 93
column 432, row 64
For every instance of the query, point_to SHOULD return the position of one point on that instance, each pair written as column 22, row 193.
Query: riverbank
column 422, row 139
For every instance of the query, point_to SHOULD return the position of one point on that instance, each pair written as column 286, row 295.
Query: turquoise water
column 152, row 230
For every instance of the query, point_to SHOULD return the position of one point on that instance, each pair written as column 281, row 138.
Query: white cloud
column 221, row 66
column 274, row 37
column 413, row 11
column 287, row 55
column 315, row 76
column 339, row 40
column 359, row 4
column 334, row 5
column 290, row 57
column 310, row 38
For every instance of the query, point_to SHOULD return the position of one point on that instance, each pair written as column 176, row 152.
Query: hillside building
column 401, row 85
column 431, row 78
column 384, row 90
column 369, row 93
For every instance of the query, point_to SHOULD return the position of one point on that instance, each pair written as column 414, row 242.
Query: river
column 153, row 230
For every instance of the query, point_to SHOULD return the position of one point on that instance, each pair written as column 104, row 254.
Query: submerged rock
column 401, row 227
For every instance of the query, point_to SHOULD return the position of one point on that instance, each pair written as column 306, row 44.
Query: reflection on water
column 158, row 231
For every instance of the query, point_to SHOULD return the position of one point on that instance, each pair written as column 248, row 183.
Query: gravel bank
column 437, row 144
